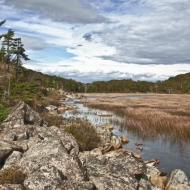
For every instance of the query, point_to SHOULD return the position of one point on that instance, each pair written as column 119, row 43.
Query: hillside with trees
column 17, row 82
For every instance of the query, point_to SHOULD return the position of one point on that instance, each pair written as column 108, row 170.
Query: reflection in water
column 172, row 154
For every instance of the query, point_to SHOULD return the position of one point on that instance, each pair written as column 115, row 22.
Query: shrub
column 4, row 112
column 12, row 176
column 53, row 120
column 84, row 134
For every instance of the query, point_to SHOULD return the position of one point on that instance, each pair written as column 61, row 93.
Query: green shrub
column 4, row 112
column 84, row 134
column 12, row 176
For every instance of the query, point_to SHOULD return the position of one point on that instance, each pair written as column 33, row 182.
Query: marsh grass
column 12, row 176
column 165, row 115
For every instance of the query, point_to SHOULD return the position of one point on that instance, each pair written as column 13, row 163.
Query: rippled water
column 171, row 155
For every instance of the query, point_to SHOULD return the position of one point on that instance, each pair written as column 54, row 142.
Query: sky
column 93, row 40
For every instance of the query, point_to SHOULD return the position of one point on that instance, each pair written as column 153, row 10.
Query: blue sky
column 89, row 40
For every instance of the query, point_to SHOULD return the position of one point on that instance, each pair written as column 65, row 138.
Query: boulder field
column 51, row 159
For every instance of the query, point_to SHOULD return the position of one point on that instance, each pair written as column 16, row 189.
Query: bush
column 4, row 112
column 53, row 120
column 12, row 176
column 84, row 134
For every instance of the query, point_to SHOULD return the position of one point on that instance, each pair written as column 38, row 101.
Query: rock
column 12, row 159
column 88, row 154
column 61, row 109
column 48, row 162
column 104, row 133
column 75, row 185
column 138, row 144
column 6, row 149
column 135, row 155
column 11, row 187
column 115, row 172
column 116, row 142
column 45, row 177
column 108, row 126
column 150, row 163
column 22, row 114
column 157, row 160
column 178, row 181
column 154, row 175
column 10, row 137
column 52, row 109
column 124, row 139
column 146, row 185
column 23, row 136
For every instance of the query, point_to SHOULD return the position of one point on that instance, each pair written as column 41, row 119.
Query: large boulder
column 51, row 160
column 23, row 114
column 178, row 181
column 117, row 170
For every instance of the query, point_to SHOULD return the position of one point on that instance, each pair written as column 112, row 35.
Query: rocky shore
column 51, row 159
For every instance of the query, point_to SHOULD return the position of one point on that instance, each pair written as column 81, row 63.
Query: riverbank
column 106, row 167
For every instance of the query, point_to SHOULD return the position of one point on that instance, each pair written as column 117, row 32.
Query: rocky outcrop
column 51, row 159
column 115, row 170
column 178, row 181
column 109, row 141
column 22, row 114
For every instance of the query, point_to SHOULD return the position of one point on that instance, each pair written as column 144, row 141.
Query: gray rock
column 12, row 160
column 45, row 177
column 178, row 181
column 23, row 136
column 115, row 172
column 6, row 149
column 22, row 114
column 116, row 142
column 75, row 185
column 52, row 109
column 11, row 187
column 10, row 137
column 146, row 185
column 48, row 162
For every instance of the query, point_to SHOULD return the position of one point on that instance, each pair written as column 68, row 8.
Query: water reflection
column 172, row 154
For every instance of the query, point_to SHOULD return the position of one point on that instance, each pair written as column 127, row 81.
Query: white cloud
column 141, row 39
column 60, row 10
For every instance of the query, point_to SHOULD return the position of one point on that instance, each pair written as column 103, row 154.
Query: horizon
column 90, row 41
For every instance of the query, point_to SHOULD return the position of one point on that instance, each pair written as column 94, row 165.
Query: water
column 172, row 155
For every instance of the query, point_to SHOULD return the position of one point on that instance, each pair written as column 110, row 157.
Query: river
column 172, row 155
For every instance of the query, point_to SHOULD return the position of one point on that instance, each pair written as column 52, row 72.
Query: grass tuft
column 12, row 176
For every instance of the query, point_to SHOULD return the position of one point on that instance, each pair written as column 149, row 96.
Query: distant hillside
column 177, row 84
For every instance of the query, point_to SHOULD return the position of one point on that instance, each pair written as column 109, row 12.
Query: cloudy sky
column 90, row 40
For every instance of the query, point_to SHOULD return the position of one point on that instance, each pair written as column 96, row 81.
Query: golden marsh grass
column 150, row 115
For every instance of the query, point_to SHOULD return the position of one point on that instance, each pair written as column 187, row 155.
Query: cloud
column 32, row 43
column 94, row 40
column 88, row 37
column 60, row 10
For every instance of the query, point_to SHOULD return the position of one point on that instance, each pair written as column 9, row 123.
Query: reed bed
column 152, row 115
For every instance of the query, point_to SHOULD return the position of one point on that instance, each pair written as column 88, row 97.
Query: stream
column 172, row 155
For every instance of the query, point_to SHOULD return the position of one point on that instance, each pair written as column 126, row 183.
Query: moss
column 12, row 176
